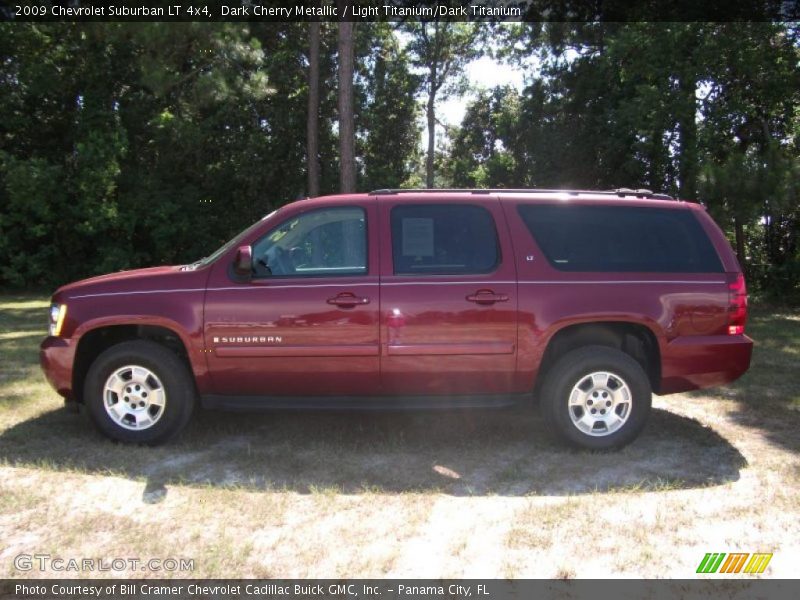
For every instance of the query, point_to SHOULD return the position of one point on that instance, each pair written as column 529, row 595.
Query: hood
column 151, row 278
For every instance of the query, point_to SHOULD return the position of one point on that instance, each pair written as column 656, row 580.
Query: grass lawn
column 467, row 494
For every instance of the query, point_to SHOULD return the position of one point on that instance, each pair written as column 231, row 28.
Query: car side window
column 620, row 239
column 443, row 239
column 318, row 243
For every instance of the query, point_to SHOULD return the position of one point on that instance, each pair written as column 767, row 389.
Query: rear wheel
column 139, row 392
column 596, row 397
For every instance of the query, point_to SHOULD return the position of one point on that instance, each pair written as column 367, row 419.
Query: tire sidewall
column 178, row 389
column 574, row 367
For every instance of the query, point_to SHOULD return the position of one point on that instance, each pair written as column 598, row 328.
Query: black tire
column 574, row 368
column 175, row 379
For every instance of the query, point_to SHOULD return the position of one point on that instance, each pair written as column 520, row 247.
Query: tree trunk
column 686, row 114
column 739, row 233
column 347, row 169
column 431, row 116
column 312, row 126
column 687, row 126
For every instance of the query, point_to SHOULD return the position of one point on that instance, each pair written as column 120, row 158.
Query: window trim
column 366, row 272
column 499, row 251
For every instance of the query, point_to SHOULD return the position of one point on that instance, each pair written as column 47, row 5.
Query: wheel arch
column 96, row 339
column 635, row 338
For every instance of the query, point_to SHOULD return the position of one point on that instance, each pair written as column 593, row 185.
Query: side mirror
column 243, row 265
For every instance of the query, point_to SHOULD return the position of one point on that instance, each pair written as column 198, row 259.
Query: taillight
column 737, row 305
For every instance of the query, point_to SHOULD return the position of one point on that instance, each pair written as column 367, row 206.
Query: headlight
column 57, row 314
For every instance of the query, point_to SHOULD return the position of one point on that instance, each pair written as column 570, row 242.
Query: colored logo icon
column 736, row 562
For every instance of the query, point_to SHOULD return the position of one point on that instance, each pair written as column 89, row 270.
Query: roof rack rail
column 621, row 192
column 642, row 193
column 475, row 191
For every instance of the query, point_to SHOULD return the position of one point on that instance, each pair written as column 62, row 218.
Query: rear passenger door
column 448, row 296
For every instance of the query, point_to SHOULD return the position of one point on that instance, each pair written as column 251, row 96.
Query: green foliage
column 390, row 128
column 705, row 111
column 124, row 145
column 482, row 153
column 132, row 144
column 30, row 218
column 441, row 50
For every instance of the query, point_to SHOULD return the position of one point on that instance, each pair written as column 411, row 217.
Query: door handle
column 487, row 297
column 347, row 300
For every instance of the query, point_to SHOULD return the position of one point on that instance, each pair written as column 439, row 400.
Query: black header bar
column 398, row 10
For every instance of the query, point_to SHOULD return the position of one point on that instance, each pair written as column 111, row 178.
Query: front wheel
column 139, row 392
column 596, row 397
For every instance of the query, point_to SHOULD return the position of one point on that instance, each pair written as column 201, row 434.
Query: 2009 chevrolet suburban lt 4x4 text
column 589, row 301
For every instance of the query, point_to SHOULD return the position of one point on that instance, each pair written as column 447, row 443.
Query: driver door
column 306, row 324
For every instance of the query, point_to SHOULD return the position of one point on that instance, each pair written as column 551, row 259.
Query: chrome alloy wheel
column 134, row 397
column 600, row 403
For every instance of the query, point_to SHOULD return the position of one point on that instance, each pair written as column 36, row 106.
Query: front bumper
column 695, row 362
column 56, row 357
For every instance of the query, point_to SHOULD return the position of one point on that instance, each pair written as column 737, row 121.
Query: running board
column 367, row 403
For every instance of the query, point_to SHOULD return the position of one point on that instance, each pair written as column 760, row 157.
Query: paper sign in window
column 417, row 237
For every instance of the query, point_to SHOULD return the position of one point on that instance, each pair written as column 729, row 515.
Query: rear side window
column 438, row 239
column 621, row 239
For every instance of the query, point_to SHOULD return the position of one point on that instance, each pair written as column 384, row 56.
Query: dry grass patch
column 468, row 494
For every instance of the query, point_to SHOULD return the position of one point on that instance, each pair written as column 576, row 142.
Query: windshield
column 230, row 243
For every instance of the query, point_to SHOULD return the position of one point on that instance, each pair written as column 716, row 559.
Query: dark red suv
column 589, row 301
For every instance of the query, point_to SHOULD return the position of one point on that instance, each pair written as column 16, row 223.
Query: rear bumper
column 56, row 357
column 695, row 362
